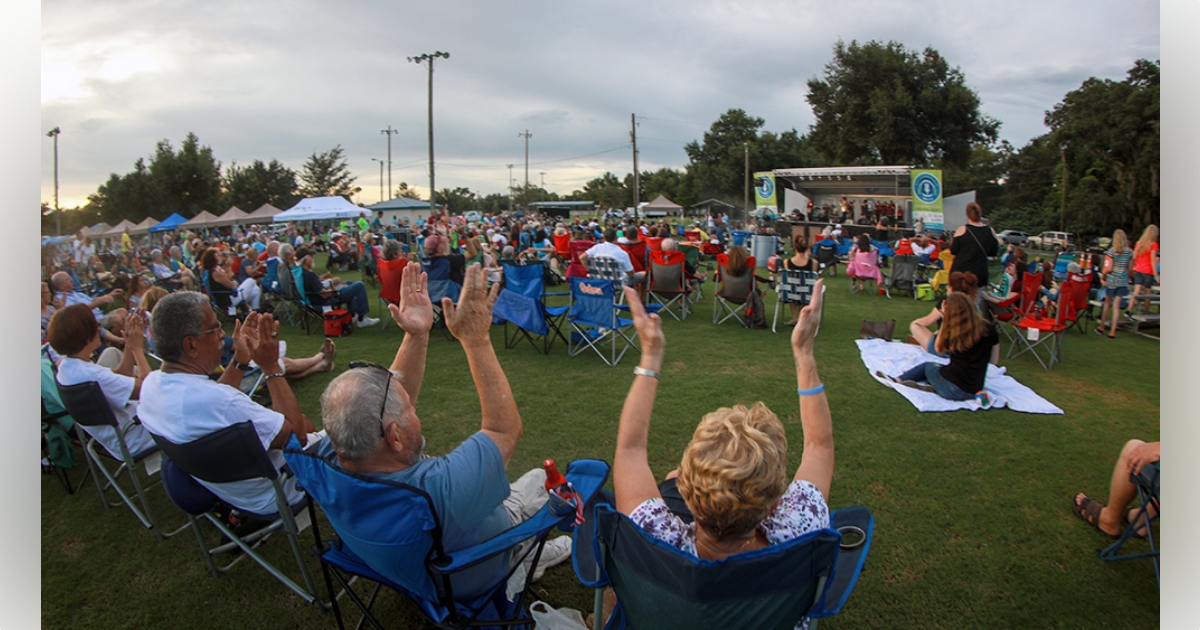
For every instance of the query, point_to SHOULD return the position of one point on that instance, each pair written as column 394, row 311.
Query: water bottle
column 562, row 496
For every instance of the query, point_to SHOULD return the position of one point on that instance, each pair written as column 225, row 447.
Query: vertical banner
column 927, row 199
column 764, row 193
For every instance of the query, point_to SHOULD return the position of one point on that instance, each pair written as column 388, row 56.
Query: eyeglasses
column 354, row 365
column 205, row 332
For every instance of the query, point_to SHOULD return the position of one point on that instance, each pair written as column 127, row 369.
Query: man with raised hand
column 369, row 413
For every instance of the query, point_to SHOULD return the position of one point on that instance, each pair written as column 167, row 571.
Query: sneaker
column 365, row 321
column 556, row 551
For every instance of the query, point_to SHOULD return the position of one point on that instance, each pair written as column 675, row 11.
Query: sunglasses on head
column 354, row 365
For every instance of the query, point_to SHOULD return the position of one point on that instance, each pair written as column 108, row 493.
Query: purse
column 877, row 329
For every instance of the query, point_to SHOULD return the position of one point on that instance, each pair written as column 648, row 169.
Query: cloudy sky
column 281, row 80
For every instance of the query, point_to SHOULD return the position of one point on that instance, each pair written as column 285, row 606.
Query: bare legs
column 1120, row 493
column 322, row 361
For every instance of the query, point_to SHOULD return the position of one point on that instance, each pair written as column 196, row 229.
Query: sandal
column 1089, row 510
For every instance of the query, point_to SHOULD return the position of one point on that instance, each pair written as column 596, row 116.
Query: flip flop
column 1089, row 511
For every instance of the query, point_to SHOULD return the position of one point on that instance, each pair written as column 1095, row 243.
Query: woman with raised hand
column 733, row 476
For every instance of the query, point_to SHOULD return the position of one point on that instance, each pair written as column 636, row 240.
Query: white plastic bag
column 545, row 617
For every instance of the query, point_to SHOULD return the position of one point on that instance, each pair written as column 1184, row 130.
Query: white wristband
column 641, row 371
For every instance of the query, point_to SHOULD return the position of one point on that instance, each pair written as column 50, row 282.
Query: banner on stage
column 927, row 199
column 764, row 192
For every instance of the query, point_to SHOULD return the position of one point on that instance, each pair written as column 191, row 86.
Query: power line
column 623, row 146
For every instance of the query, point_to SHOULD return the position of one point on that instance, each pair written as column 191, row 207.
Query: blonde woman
column 733, row 475
column 1116, row 281
column 1145, row 261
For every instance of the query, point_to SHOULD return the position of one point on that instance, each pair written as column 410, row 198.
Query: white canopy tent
column 320, row 208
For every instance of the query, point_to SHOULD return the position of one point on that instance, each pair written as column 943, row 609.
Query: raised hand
column 649, row 326
column 135, row 327
column 471, row 319
column 266, row 351
column 414, row 314
column 809, row 320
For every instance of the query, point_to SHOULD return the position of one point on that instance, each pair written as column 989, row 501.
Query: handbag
column 877, row 329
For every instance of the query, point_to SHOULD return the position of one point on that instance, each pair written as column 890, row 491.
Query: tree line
column 1096, row 169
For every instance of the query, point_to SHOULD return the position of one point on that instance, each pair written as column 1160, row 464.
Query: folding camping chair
column 793, row 287
column 827, row 256
column 660, row 586
column 733, row 293
column 292, row 288
column 390, row 273
column 903, row 274
column 234, row 453
column 88, row 407
column 1050, row 331
column 376, row 518
column 668, row 284
column 576, row 269
column 437, row 271
column 57, row 455
column 595, row 320
column 692, row 257
column 522, row 302
column 1146, row 482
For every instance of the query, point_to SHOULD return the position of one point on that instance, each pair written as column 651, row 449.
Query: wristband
column 241, row 366
column 271, row 376
column 641, row 371
column 811, row 392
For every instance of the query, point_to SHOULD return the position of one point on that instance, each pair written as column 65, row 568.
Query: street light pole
column 420, row 59
column 53, row 133
column 389, row 131
column 510, row 188
column 525, row 193
column 381, row 176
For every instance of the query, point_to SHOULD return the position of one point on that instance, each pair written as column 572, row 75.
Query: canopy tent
column 204, row 219
column 95, row 230
column 169, row 223
column 661, row 205
column 319, row 208
column 117, row 229
column 263, row 214
column 233, row 216
column 144, row 226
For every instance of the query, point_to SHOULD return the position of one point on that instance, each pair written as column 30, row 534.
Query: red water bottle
column 563, row 498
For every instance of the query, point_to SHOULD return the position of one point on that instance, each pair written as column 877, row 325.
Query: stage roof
column 848, row 180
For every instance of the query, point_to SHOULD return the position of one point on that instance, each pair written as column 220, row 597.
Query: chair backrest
column 87, row 404
column 51, row 399
column 904, row 268
column 436, row 268
column 795, row 285
column 691, row 235
column 826, row 252
column 660, row 586
column 605, row 268
column 654, row 243
column 637, row 254
column 946, row 257
column 528, row 280
column 298, row 285
column 665, row 276
column 1061, row 262
column 390, row 274
column 592, row 301
column 1073, row 298
column 691, row 253
column 287, row 283
column 667, row 258
column 579, row 247
column 562, row 245
column 234, row 453
column 735, row 288
column 438, row 271
column 1031, row 284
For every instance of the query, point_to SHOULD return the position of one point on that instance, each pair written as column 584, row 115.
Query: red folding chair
column 577, row 269
column 668, row 283
column 1037, row 331
column 390, row 272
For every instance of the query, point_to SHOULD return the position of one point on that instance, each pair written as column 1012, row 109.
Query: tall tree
column 404, row 191
column 190, row 180
column 607, row 191
column 717, row 165
column 249, row 187
column 327, row 174
column 1109, row 133
column 133, row 196
column 881, row 104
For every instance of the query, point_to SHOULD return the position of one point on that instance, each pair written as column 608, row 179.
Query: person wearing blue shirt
column 369, row 414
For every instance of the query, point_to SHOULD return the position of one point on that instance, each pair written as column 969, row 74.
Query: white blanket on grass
column 893, row 358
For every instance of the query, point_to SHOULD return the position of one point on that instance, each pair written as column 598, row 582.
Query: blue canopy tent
column 170, row 223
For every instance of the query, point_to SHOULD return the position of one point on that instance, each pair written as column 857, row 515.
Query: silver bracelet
column 271, row 376
column 641, row 371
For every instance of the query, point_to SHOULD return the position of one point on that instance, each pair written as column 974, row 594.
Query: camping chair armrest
column 556, row 293
column 850, row 558
column 587, row 476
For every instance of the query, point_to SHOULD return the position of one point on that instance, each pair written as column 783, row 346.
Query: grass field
column 973, row 527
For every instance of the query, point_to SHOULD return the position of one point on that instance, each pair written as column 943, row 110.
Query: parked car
column 1013, row 237
column 1053, row 242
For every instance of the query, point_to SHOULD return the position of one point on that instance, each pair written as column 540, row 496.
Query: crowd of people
column 732, row 486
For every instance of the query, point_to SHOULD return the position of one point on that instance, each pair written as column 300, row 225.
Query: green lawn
column 973, row 527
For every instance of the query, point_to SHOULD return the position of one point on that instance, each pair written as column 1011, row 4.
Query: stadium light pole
column 420, row 59
column 53, row 133
column 380, row 178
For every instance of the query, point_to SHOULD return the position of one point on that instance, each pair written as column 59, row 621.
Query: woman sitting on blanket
column 969, row 340
column 921, row 335
column 864, row 264
column 736, row 495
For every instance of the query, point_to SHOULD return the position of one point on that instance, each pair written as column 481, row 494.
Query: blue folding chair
column 522, row 303
column 595, row 320
column 374, row 517
column 437, row 271
column 660, row 586
column 1146, row 482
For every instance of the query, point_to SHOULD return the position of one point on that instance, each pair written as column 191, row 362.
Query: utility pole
column 525, row 193
column 53, row 133
column 746, row 197
column 510, row 188
column 420, row 59
column 389, row 131
column 637, row 184
column 381, row 178
column 1062, row 221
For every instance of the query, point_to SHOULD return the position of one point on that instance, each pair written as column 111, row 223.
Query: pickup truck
column 1053, row 242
